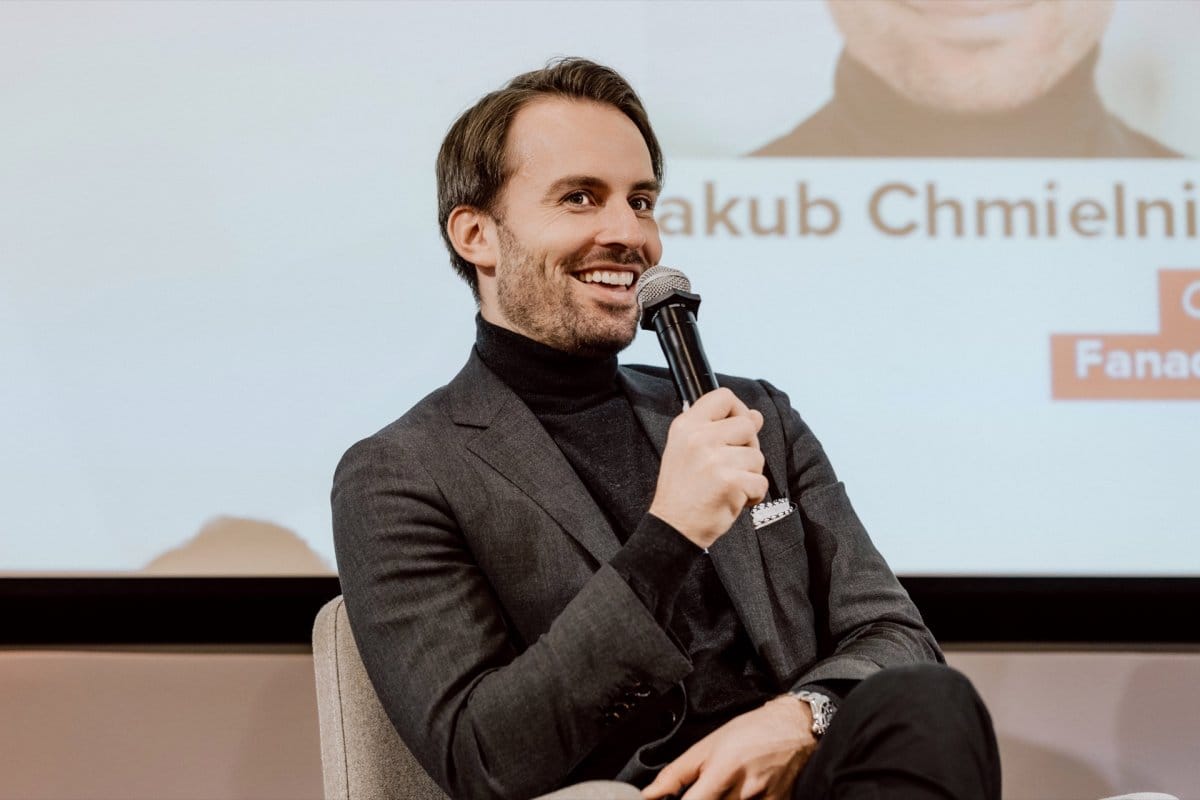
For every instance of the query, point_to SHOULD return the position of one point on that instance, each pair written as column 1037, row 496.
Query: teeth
column 607, row 277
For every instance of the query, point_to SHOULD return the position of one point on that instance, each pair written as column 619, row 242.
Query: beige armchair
column 362, row 757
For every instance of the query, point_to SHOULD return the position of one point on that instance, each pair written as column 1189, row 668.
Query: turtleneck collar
column 548, row 380
column 1056, row 123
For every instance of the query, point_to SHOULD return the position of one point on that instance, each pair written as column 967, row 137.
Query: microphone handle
column 680, row 341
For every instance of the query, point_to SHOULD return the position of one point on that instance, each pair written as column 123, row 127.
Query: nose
column 621, row 226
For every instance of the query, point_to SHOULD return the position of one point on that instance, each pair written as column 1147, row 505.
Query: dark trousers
column 909, row 733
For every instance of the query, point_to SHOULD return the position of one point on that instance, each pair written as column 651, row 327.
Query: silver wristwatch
column 822, row 708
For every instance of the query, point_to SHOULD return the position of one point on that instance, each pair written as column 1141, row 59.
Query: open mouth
column 611, row 279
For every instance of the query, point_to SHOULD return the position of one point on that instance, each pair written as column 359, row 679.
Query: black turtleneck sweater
column 580, row 403
column 866, row 117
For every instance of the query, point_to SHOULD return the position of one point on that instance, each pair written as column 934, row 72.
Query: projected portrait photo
column 963, row 78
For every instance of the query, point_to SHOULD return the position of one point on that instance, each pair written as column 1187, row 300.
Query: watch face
column 822, row 710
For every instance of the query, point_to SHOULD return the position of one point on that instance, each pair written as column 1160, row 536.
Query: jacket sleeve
column 486, row 714
column 864, row 618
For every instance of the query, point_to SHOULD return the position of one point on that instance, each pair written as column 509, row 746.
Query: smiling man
column 573, row 228
column 967, row 78
column 549, row 565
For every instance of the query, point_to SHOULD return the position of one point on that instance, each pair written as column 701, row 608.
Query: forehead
column 552, row 137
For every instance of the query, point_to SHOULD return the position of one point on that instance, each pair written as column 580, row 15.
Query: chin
column 604, row 342
column 602, row 347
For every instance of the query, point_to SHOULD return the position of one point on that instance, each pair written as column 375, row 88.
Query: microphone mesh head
column 658, row 283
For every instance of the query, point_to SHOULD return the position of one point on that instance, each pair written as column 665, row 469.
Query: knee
column 918, row 680
column 923, row 720
column 926, row 680
column 929, row 693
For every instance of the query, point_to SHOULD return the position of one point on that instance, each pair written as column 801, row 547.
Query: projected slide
column 963, row 237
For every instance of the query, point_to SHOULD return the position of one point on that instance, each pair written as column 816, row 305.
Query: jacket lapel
column 735, row 555
column 515, row 444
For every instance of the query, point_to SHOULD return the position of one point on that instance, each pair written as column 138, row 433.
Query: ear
column 473, row 234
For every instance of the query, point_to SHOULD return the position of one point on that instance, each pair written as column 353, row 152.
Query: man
column 994, row 78
column 548, row 565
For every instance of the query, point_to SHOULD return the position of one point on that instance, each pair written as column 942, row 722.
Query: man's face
column 575, row 224
column 970, row 55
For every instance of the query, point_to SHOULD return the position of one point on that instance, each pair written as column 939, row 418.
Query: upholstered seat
column 362, row 756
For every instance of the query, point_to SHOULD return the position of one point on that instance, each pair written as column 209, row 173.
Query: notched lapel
column 515, row 444
column 738, row 561
column 654, row 404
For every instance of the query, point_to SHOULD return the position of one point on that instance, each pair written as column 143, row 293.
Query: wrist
column 678, row 523
column 788, row 724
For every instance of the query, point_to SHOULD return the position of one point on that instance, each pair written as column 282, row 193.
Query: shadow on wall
column 237, row 546
column 1158, row 725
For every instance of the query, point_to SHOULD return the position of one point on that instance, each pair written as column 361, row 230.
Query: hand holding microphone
column 712, row 467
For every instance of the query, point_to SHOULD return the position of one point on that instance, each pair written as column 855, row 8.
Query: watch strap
column 823, row 708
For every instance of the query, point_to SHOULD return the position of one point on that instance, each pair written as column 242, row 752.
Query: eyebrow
column 592, row 182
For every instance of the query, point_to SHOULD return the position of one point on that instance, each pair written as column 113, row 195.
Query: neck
column 1058, row 119
column 543, row 376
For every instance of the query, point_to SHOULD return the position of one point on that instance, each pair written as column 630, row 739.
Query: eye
column 641, row 203
column 579, row 198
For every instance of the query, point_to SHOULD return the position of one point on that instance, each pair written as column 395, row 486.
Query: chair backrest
column 362, row 757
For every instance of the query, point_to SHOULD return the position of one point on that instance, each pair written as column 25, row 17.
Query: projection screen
column 221, row 264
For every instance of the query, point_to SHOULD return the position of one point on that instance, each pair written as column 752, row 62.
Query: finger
column 759, row 787
column 676, row 775
column 744, row 459
column 754, row 487
column 718, row 404
column 716, row 781
column 740, row 431
column 662, row 786
column 781, row 786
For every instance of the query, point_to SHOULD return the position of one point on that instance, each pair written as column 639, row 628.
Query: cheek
column 653, row 247
column 568, row 241
column 872, row 30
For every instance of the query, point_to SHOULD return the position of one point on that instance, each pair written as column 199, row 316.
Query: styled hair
column 471, row 165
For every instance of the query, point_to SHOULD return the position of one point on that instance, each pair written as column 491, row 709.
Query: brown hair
column 471, row 168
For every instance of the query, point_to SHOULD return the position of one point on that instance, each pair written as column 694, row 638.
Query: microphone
column 669, row 307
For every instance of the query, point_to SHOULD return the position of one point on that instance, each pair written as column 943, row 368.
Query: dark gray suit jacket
column 474, row 565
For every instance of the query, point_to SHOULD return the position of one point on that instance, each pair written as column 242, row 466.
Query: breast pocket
column 780, row 535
